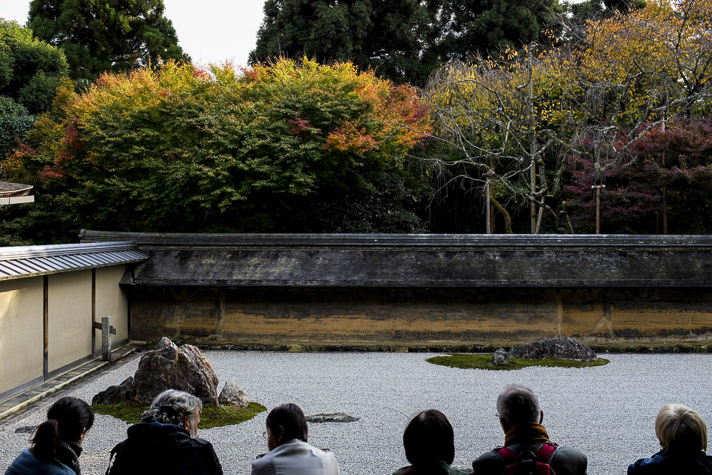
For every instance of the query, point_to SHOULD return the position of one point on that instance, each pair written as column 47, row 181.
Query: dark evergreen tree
column 111, row 35
column 404, row 40
column 487, row 27
column 390, row 36
column 592, row 9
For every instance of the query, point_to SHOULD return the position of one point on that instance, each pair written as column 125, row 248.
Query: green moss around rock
column 482, row 361
column 131, row 411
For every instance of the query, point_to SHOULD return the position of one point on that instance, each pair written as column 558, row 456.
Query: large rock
column 125, row 391
column 559, row 347
column 171, row 367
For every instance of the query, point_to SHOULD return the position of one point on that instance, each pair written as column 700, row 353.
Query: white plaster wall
column 70, row 318
column 21, row 331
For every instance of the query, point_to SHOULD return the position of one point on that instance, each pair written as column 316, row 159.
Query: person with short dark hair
column 429, row 443
column 683, row 437
column 166, row 440
column 289, row 453
column 57, row 442
column 526, row 439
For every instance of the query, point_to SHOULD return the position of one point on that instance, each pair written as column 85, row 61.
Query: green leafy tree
column 111, row 35
column 30, row 69
column 389, row 36
column 181, row 149
column 14, row 122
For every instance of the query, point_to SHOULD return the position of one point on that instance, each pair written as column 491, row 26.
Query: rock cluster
column 558, row 347
column 169, row 366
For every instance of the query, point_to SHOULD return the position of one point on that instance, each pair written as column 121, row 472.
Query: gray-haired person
column 526, row 442
column 166, row 440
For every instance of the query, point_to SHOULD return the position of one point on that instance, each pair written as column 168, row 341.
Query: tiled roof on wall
column 28, row 261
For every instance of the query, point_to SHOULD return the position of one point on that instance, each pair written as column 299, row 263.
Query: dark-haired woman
column 289, row 453
column 429, row 444
column 57, row 442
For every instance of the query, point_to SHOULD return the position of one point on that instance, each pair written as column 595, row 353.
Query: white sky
column 210, row 31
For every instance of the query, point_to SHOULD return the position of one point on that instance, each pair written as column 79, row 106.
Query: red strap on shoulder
column 507, row 454
column 546, row 452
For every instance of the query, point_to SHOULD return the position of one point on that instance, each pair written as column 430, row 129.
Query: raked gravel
column 608, row 412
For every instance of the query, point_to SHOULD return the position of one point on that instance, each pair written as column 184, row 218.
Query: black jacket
column 153, row 448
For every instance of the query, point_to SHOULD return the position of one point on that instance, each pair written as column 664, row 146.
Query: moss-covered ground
column 482, row 361
column 131, row 411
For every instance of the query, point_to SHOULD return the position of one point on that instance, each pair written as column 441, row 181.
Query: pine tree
column 486, row 27
column 111, row 35
column 389, row 36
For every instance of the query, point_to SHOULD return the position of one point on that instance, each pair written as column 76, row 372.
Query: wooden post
column 106, row 331
column 598, row 206
column 488, row 208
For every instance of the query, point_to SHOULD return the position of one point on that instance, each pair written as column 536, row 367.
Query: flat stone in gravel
column 608, row 412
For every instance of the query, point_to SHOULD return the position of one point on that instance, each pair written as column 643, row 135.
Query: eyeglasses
column 264, row 435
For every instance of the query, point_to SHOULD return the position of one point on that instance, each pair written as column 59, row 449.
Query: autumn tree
column 506, row 127
column 518, row 128
column 274, row 148
column 645, row 69
column 112, row 35
column 670, row 165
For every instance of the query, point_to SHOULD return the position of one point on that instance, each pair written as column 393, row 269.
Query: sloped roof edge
column 29, row 261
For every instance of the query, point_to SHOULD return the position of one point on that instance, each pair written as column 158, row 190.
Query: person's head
column 681, row 430
column 428, row 440
column 517, row 405
column 284, row 423
column 68, row 420
column 176, row 407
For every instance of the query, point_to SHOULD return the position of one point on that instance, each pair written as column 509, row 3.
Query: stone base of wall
column 432, row 318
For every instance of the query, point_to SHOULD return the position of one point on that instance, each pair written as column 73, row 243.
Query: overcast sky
column 210, row 31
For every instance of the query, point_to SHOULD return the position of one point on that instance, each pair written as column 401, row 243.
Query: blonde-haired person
column 683, row 437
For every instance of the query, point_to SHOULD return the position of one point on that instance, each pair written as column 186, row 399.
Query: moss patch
column 480, row 361
column 131, row 411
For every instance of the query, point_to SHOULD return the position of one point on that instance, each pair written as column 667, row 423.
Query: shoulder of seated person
column 197, row 441
column 570, row 451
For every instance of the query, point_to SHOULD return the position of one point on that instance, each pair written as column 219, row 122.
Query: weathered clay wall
column 417, row 290
column 318, row 317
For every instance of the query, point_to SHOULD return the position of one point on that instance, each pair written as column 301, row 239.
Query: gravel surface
column 607, row 412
